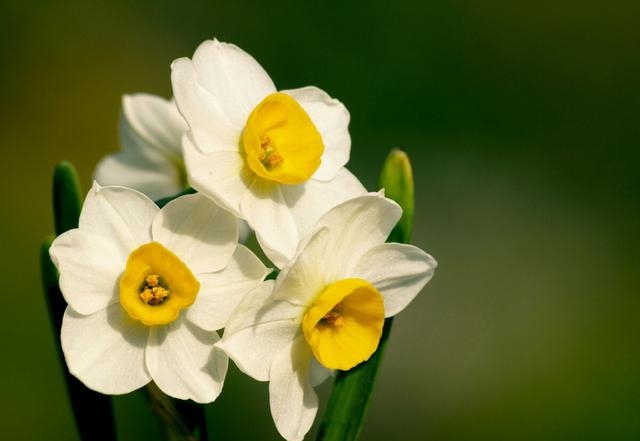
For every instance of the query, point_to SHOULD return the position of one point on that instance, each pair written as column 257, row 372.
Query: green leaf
column 351, row 393
column 93, row 412
column 67, row 198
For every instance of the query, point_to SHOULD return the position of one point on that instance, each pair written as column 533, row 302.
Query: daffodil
column 151, row 130
column 273, row 158
column 147, row 289
column 326, row 309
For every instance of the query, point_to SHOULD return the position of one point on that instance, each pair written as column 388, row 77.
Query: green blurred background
column 522, row 122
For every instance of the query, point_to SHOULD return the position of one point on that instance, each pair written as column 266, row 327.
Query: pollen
column 152, row 280
column 268, row 155
column 152, row 293
column 334, row 317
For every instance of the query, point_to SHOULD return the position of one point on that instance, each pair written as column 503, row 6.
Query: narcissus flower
column 151, row 130
column 273, row 158
column 327, row 308
column 147, row 289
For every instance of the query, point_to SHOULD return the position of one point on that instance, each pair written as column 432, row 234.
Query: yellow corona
column 281, row 142
column 156, row 285
column 344, row 324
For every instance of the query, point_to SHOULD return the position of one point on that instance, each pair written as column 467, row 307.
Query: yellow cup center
column 281, row 142
column 344, row 323
column 156, row 285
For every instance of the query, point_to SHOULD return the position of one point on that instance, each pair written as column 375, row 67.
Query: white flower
column 147, row 289
column 151, row 161
column 151, row 130
column 273, row 158
column 327, row 308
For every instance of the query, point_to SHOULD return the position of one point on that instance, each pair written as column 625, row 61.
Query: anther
column 151, row 292
column 334, row 317
column 268, row 155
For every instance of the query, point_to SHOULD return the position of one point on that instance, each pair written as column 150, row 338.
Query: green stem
column 189, row 415
column 351, row 394
column 193, row 416
column 166, row 412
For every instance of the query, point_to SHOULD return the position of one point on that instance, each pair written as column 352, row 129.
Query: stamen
column 268, row 155
column 334, row 317
column 151, row 292
column 152, row 280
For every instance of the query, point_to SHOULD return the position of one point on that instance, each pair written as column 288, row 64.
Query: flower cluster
column 149, row 289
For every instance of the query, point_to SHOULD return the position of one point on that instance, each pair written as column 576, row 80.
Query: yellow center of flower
column 281, row 142
column 156, row 285
column 344, row 324
column 152, row 291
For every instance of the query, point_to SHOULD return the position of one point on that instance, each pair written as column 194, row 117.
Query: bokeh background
column 522, row 122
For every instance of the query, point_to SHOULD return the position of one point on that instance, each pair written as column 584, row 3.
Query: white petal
column 210, row 127
column 318, row 374
column 301, row 281
column 245, row 231
column 267, row 212
column 309, row 201
column 90, row 267
column 258, row 329
column 105, row 350
column 184, row 363
column 331, row 118
column 157, row 179
column 355, row 227
column 399, row 272
column 222, row 176
column 292, row 400
column 220, row 292
column 150, row 124
column 120, row 215
column 334, row 247
column 203, row 235
column 234, row 78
